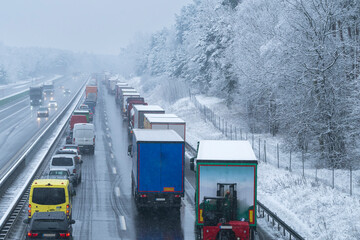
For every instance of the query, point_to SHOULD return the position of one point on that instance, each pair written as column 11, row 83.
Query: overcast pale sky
column 94, row 26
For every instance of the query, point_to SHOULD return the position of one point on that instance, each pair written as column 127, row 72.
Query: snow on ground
column 312, row 208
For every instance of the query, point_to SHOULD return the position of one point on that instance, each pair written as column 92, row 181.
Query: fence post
column 253, row 141
column 265, row 150
column 303, row 164
column 316, row 178
column 246, row 136
column 333, row 177
column 231, row 132
column 240, row 134
column 290, row 162
column 225, row 129
column 259, row 149
column 235, row 133
column 277, row 155
column 350, row 181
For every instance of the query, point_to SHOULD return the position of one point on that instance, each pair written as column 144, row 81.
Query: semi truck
column 123, row 100
column 36, row 96
column 158, row 168
column 226, row 190
column 165, row 121
column 130, row 101
column 48, row 89
column 91, row 89
column 118, row 88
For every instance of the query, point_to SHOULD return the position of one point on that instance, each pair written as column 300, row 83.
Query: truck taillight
column 74, row 170
column 31, row 234
column 67, row 210
column 29, row 210
column 63, row 235
column 73, row 140
column 94, row 140
column 251, row 216
column 143, row 195
column 177, row 196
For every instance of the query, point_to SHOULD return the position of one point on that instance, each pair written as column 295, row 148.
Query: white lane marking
column 117, row 191
column 13, row 114
column 106, row 123
column 112, row 155
column 109, row 144
column 114, row 170
column 107, row 129
column 122, row 223
column 13, row 105
column 108, row 135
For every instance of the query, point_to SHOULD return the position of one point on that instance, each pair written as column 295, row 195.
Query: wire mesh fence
column 270, row 151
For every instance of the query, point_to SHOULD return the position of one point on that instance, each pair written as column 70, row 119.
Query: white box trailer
column 125, row 96
column 140, row 110
column 161, row 121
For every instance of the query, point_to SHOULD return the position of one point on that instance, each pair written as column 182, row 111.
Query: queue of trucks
column 225, row 171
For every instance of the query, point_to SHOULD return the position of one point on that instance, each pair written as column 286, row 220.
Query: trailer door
column 149, row 167
column 171, row 167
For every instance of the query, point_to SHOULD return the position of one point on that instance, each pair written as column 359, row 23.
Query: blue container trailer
column 157, row 168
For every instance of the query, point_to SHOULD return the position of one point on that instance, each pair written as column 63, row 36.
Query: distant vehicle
column 43, row 112
column 84, row 107
column 49, row 89
column 52, row 104
column 70, row 151
column 77, row 119
column 71, row 162
column 62, row 173
column 72, row 146
column 49, row 225
column 67, row 91
column 36, row 96
column 49, row 194
column 91, row 89
column 84, row 137
column 86, row 113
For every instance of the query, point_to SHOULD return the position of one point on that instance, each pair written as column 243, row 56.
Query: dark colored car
column 43, row 112
column 49, row 225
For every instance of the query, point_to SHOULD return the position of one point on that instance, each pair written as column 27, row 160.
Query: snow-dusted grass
column 312, row 208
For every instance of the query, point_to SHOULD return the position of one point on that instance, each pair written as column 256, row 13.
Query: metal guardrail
column 281, row 225
column 14, row 205
column 262, row 210
column 13, row 97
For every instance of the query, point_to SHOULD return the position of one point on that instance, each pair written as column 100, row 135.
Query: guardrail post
column 277, row 155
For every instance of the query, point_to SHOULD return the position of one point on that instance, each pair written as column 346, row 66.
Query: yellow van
column 50, row 195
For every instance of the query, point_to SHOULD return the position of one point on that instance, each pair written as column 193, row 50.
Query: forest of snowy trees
column 292, row 65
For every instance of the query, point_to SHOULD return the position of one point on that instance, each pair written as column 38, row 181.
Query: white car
column 68, row 161
column 52, row 104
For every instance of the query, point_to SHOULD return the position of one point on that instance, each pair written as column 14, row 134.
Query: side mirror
column 73, row 193
column 81, row 161
column 26, row 221
column 72, row 221
column 77, row 158
column 192, row 164
column 129, row 150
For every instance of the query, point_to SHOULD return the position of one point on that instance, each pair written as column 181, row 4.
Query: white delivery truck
column 165, row 121
column 84, row 137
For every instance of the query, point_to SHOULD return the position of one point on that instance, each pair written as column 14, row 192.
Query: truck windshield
column 48, row 196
